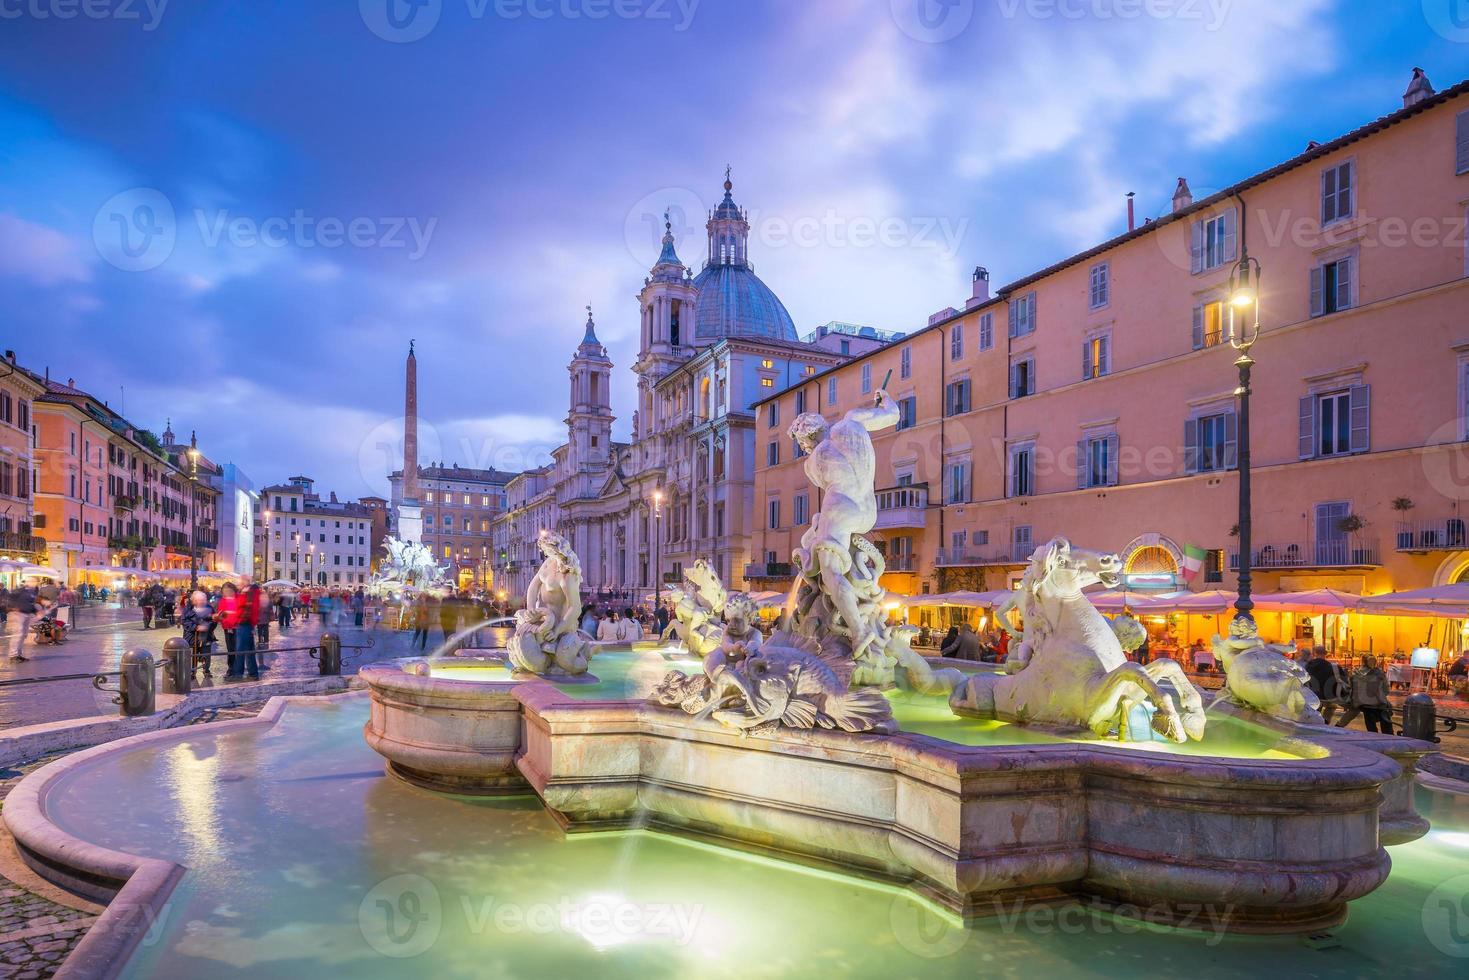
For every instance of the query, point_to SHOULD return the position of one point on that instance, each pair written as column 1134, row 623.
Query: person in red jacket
column 251, row 611
column 231, row 606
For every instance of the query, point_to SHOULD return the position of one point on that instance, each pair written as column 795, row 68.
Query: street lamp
column 1244, row 330
column 657, row 545
column 265, row 549
column 193, row 519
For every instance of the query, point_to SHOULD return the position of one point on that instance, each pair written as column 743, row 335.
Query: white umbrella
column 39, row 571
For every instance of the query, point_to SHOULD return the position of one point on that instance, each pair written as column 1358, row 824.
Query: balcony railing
column 770, row 569
column 902, row 507
column 1445, row 534
column 1320, row 554
column 12, row 542
column 124, row 502
column 1017, row 555
column 902, row 563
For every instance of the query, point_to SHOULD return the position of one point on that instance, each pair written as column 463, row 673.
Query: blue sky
column 236, row 215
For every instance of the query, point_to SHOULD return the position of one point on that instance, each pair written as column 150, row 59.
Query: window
column 1210, row 443
column 809, row 370
column 1096, row 357
column 866, row 378
column 831, row 390
column 1461, row 143
column 772, row 415
column 1331, row 287
column 1214, row 565
column 846, row 347
column 956, row 397
column 773, row 509
column 1336, row 423
column 1020, row 542
column 801, row 509
column 1096, row 458
column 1022, row 315
column 986, row 331
column 767, row 363
column 800, row 401
column 1100, row 280
column 1021, row 482
column 1022, row 377
column 905, row 362
column 956, row 342
column 767, row 382
column 907, row 412
column 772, row 454
column 1213, row 241
column 1336, row 193
column 957, row 482
column 1208, row 324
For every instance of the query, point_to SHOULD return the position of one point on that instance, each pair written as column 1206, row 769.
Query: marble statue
column 1262, row 677
column 787, row 683
column 1069, row 669
column 740, row 638
column 546, row 638
column 697, row 608
column 838, row 569
column 408, row 564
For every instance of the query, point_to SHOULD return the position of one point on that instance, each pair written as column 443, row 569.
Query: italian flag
column 1193, row 562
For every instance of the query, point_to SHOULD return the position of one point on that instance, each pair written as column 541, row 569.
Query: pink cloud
column 43, row 255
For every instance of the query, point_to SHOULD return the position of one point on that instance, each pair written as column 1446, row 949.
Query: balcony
column 124, row 502
column 968, row 557
column 902, row 563
column 770, row 569
column 902, row 508
column 1445, row 534
column 13, row 542
column 1321, row 554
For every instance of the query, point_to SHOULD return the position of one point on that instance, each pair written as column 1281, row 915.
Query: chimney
column 981, row 291
column 1419, row 88
column 1182, row 196
column 1131, row 215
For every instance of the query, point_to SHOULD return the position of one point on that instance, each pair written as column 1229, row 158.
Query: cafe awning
column 1449, row 601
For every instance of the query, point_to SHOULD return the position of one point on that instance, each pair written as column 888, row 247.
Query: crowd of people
column 33, row 611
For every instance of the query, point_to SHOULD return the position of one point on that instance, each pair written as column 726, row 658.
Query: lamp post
column 1244, row 330
column 296, row 553
column 265, row 550
column 193, row 519
column 657, row 548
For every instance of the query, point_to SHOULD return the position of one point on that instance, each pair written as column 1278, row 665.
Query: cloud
column 39, row 254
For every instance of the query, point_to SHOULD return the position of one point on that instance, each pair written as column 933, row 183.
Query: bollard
column 135, row 684
column 178, row 666
column 1420, row 717
column 330, row 659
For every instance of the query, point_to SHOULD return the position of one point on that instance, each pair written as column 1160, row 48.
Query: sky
column 237, row 215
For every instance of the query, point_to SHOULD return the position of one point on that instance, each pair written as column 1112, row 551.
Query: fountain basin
column 1280, row 839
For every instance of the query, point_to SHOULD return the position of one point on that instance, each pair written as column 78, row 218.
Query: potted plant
column 1352, row 525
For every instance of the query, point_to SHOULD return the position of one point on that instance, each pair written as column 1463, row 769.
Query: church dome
column 733, row 302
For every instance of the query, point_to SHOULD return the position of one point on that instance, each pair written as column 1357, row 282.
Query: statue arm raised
column 882, row 415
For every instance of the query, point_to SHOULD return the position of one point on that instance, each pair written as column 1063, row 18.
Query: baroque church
column 712, row 343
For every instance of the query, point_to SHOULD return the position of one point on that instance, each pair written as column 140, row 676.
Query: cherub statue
column 1262, row 677
column 546, row 638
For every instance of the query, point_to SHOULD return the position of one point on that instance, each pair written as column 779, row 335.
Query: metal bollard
column 135, row 684
column 178, row 666
column 1420, row 717
column 330, row 659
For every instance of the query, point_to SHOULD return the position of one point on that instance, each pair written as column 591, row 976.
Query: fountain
column 409, row 565
column 1071, row 774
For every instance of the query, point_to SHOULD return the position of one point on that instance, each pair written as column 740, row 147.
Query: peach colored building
column 1096, row 398
column 18, row 540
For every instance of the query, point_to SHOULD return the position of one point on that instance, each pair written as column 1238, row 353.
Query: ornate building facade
column 711, row 345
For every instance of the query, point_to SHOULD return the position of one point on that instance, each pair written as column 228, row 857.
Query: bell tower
column 667, row 302
column 589, row 422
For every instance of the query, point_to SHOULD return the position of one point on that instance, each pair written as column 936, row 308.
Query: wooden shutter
column 1344, row 190
column 1083, row 465
column 1114, row 449
column 1104, row 355
column 1030, row 312
column 1307, row 431
column 1328, row 195
column 1198, row 327
column 1014, row 375
column 1317, row 306
column 1230, row 234
column 1344, row 273
column 1360, row 397
column 1086, row 360
column 1461, row 146
column 1196, row 248
column 1231, row 440
column 1190, row 445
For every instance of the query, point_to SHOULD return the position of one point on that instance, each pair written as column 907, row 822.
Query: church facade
column 712, row 344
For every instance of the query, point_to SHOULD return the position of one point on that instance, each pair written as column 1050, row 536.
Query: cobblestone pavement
column 104, row 634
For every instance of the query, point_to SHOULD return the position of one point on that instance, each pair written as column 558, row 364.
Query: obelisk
column 410, row 508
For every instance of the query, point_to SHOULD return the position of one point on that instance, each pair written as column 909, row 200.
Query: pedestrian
column 420, row 622
column 324, row 606
column 950, row 646
column 359, row 607
column 1369, row 698
column 23, row 606
column 287, row 600
column 243, row 664
column 1328, row 682
column 262, row 623
column 661, row 615
column 608, row 631
column 146, row 604
column 198, row 622
column 229, row 613
column 632, row 630
column 590, row 621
